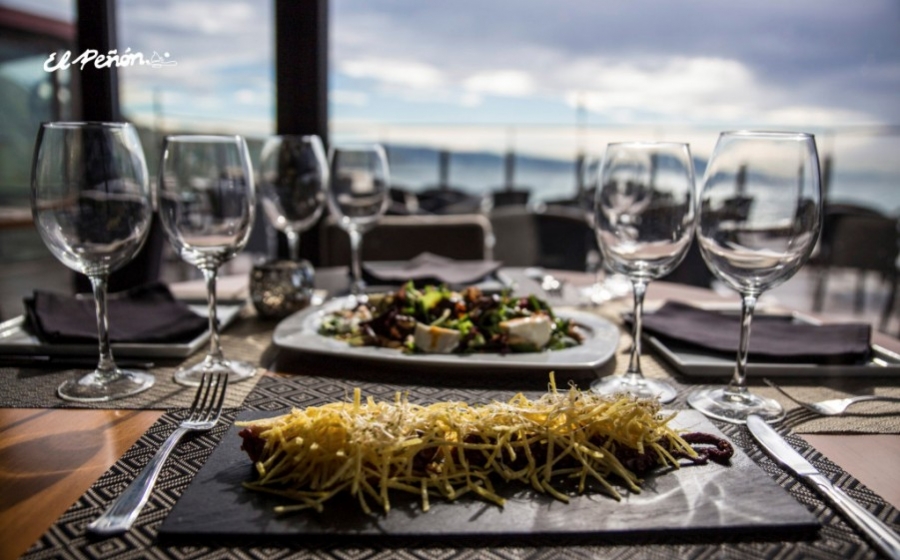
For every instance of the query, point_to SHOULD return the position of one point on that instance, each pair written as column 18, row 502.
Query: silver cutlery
column 832, row 407
column 203, row 415
column 879, row 533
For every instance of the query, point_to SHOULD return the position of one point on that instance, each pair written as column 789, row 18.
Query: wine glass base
column 99, row 387
column 235, row 370
column 718, row 404
column 636, row 386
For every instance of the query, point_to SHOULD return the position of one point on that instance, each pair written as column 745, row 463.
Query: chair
column 510, row 197
column 403, row 202
column 515, row 234
column 564, row 238
column 448, row 200
column 862, row 240
column 395, row 238
column 553, row 237
column 693, row 270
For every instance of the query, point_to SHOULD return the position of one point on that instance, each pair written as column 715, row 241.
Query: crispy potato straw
column 449, row 449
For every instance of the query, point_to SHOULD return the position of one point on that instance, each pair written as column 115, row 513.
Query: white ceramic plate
column 15, row 340
column 301, row 332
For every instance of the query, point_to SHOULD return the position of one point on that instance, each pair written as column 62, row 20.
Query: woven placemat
column 247, row 340
column 863, row 418
column 66, row 539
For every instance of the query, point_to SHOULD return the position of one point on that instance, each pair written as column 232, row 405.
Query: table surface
column 50, row 457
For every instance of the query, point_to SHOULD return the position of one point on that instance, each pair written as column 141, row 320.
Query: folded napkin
column 148, row 314
column 776, row 338
column 428, row 267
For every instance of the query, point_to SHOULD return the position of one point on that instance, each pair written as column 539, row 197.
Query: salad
column 435, row 319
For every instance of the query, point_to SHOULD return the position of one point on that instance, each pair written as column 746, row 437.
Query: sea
column 418, row 168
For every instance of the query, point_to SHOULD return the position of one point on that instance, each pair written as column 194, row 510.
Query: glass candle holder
column 279, row 288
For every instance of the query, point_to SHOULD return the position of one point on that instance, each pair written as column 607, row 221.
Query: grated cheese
column 449, row 449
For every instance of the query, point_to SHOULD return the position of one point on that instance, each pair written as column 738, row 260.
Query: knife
column 882, row 536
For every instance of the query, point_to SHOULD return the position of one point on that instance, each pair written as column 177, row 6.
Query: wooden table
column 50, row 457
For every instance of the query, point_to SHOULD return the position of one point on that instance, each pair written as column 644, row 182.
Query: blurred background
column 493, row 108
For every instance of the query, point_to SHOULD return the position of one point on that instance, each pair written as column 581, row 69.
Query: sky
column 623, row 70
column 540, row 76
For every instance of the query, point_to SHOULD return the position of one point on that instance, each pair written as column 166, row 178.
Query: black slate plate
column 694, row 501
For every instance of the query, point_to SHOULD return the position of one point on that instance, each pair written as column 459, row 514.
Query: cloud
column 393, row 72
column 675, row 88
column 513, row 83
column 347, row 97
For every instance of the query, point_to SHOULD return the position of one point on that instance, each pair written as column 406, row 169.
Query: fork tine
column 221, row 388
column 198, row 409
column 197, row 396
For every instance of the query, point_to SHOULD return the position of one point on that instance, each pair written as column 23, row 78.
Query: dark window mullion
column 99, row 87
column 301, row 67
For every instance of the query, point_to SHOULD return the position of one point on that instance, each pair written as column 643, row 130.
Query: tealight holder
column 281, row 287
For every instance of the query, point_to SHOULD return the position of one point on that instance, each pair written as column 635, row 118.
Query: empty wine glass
column 207, row 204
column 607, row 285
column 293, row 182
column 358, row 197
column 644, row 220
column 760, row 216
column 91, row 204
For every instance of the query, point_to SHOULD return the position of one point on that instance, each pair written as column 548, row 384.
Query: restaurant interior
column 263, row 284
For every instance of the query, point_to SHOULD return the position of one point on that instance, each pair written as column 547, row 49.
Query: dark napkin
column 147, row 314
column 771, row 337
column 428, row 267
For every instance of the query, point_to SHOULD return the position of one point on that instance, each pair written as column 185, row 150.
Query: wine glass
column 760, row 216
column 358, row 197
column 606, row 286
column 293, row 182
column 91, row 204
column 207, row 203
column 644, row 220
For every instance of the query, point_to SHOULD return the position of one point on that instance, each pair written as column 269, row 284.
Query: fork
column 831, row 407
column 202, row 416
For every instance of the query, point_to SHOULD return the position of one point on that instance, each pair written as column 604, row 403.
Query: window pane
column 555, row 80
column 29, row 32
column 214, row 70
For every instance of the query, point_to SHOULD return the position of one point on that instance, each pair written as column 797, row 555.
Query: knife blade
column 883, row 537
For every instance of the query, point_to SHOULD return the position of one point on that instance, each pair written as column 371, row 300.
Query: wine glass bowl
column 358, row 197
column 759, row 220
column 207, row 203
column 293, row 185
column 91, row 204
column 644, row 222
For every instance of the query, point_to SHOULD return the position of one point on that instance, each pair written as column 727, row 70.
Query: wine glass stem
column 106, row 365
column 215, row 350
column 293, row 241
column 355, row 265
column 634, row 364
column 738, row 386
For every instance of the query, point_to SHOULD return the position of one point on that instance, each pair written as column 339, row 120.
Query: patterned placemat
column 247, row 339
column 864, row 418
column 66, row 539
